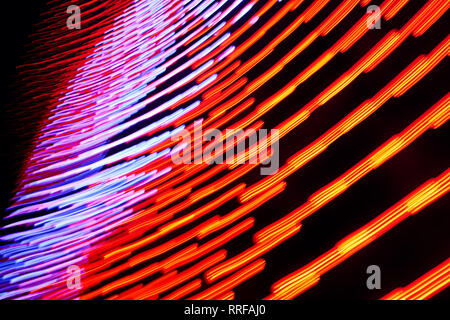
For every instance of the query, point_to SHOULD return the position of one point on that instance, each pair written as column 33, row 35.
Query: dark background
column 17, row 24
